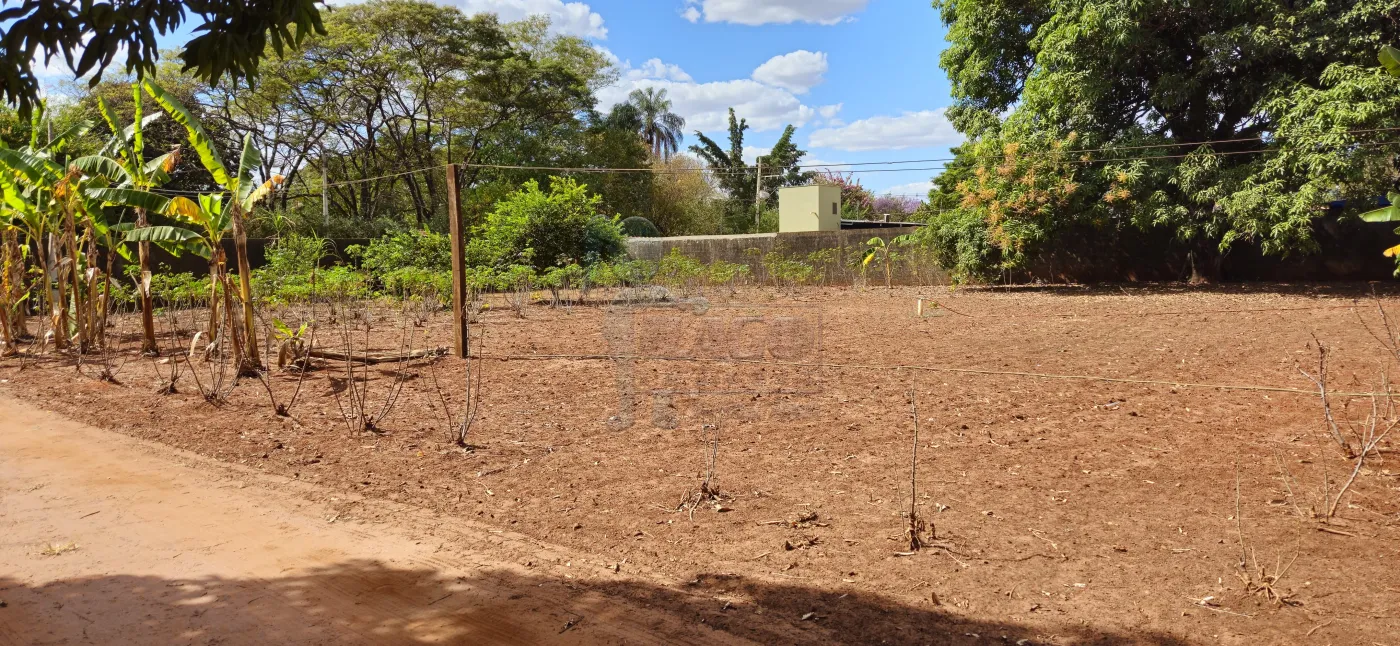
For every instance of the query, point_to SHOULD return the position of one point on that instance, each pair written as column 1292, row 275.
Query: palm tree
column 661, row 128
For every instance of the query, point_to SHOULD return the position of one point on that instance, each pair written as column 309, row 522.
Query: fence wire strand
column 921, row 368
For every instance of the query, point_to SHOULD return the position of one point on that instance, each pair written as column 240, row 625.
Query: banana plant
column 206, row 226
column 214, row 214
column 878, row 248
column 1390, row 60
column 38, row 198
column 123, row 162
column 1387, row 214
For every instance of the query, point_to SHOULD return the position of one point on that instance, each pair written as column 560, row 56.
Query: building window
column 834, row 210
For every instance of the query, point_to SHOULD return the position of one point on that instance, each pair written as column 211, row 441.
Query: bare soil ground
column 112, row 540
column 1065, row 510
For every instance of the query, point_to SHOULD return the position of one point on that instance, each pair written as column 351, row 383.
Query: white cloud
column 655, row 69
column 568, row 18
column 797, row 72
column 820, row 165
column 913, row 188
column 830, row 111
column 705, row 106
column 763, row 12
column 925, row 129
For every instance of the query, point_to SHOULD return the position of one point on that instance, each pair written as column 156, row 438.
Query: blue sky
column 860, row 78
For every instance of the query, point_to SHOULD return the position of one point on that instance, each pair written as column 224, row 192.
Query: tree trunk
column 216, row 263
column 52, row 278
column 1206, row 263
column 12, row 289
column 249, row 361
column 70, row 235
column 231, row 328
column 107, row 297
column 96, row 315
column 143, row 289
column 62, row 323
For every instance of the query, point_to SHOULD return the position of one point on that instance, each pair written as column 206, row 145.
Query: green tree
column 660, row 128
column 395, row 85
column 739, row 180
column 611, row 141
column 1282, row 92
column 683, row 201
column 231, row 37
column 547, row 229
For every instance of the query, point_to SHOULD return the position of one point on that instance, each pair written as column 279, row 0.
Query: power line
column 1127, row 159
column 1101, row 149
column 746, row 171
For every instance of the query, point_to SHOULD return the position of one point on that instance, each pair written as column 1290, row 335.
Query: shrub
column 169, row 288
column 557, row 279
column 291, row 272
column 787, row 272
column 420, row 249
column 406, row 282
column 296, row 253
column 517, row 281
column 726, row 273
column 548, row 229
column 640, row 227
column 823, row 261
column 635, row 273
column 603, row 274
column 339, row 283
column 679, row 271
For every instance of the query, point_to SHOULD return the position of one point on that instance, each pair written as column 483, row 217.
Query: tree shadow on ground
column 371, row 602
column 1330, row 290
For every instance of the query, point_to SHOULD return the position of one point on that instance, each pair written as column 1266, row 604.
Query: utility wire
column 1101, row 149
column 721, row 172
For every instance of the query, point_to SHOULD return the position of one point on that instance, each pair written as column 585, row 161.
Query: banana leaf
column 102, row 166
column 1385, row 214
column 199, row 140
column 131, row 197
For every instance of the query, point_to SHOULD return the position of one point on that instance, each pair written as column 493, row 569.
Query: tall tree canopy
column 660, row 128
column 396, row 85
column 740, row 181
column 232, row 36
column 1091, row 115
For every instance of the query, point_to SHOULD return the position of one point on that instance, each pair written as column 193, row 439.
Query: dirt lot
column 106, row 539
column 1066, row 510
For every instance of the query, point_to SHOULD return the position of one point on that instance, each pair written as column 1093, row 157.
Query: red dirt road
column 105, row 539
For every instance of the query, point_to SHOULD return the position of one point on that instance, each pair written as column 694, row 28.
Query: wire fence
column 1065, row 155
column 1183, row 384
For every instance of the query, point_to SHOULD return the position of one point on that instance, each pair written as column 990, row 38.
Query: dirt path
column 106, row 539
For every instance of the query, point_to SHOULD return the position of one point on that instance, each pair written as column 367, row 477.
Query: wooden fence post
column 460, row 336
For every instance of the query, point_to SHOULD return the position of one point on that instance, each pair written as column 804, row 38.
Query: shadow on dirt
column 1330, row 290
column 383, row 604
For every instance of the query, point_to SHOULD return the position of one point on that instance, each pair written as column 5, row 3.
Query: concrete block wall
column 741, row 249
